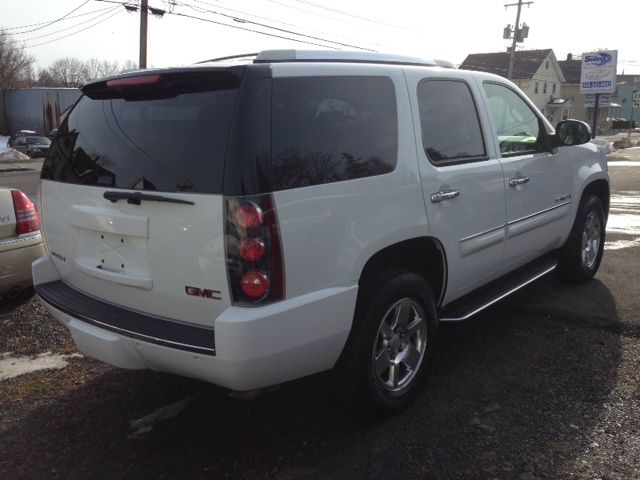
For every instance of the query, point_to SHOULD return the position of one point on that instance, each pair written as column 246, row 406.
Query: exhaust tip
column 251, row 395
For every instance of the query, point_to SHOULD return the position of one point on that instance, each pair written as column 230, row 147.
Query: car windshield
column 38, row 141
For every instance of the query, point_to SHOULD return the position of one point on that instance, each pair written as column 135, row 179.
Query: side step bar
column 476, row 301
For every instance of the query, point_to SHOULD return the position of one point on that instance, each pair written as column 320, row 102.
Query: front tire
column 392, row 342
column 581, row 255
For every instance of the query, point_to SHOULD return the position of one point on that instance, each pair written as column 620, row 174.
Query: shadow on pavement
column 514, row 391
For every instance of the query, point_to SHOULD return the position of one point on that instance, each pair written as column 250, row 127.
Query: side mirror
column 571, row 132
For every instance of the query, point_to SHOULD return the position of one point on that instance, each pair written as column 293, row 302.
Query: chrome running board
column 473, row 303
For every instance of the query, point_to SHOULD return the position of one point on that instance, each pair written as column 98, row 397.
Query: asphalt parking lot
column 544, row 385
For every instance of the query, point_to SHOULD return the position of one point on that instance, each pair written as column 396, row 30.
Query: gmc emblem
column 203, row 292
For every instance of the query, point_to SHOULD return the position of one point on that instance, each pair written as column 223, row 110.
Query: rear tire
column 392, row 342
column 581, row 255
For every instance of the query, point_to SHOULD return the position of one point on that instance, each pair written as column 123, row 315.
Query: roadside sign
column 598, row 73
column 590, row 100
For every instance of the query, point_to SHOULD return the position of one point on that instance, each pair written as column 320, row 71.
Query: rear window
column 329, row 129
column 169, row 137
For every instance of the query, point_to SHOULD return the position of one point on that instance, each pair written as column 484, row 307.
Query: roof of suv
column 276, row 56
column 343, row 56
column 287, row 56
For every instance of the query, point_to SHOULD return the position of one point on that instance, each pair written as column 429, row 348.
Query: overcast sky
column 448, row 29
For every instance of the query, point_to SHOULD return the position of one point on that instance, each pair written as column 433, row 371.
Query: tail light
column 253, row 250
column 140, row 81
column 26, row 214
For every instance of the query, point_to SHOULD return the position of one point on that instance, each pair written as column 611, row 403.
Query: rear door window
column 449, row 122
column 169, row 137
column 330, row 129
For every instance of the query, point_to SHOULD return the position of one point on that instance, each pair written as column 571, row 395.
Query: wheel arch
column 424, row 256
column 600, row 188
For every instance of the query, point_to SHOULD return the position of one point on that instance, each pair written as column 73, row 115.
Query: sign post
column 634, row 105
column 598, row 75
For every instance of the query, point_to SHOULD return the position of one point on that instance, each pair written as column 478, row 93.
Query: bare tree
column 128, row 66
column 69, row 72
column 45, row 79
column 15, row 64
column 100, row 68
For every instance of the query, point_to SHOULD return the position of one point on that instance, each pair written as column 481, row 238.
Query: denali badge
column 203, row 292
column 563, row 198
column 58, row 256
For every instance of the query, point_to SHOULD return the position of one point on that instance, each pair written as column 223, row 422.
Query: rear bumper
column 16, row 257
column 254, row 347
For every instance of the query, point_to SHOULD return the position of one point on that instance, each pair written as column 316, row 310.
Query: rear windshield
column 170, row 136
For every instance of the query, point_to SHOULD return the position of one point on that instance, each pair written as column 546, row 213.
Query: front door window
column 518, row 127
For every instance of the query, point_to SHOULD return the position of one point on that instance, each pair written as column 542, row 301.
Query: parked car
column 32, row 146
column 21, row 133
column 20, row 241
column 252, row 224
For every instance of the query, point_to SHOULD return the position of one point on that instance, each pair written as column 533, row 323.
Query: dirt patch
column 26, row 328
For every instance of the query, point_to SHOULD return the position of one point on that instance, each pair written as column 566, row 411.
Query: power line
column 342, row 12
column 292, row 7
column 74, row 33
column 291, row 32
column 251, row 30
column 57, row 20
column 111, row 9
column 219, row 5
column 49, row 21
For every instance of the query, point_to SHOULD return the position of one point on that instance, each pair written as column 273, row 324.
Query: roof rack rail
column 279, row 56
column 232, row 57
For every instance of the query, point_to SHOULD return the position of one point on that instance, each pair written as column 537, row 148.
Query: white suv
column 250, row 224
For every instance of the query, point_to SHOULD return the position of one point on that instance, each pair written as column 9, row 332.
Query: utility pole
column 144, row 12
column 517, row 36
column 145, row 9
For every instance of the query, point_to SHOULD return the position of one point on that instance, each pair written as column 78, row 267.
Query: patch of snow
column 623, row 163
column 3, row 144
column 604, row 145
column 12, row 366
column 146, row 423
column 620, row 244
column 624, row 217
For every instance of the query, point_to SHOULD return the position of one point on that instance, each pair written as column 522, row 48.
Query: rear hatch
column 132, row 192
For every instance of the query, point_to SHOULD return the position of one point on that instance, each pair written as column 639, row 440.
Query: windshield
column 38, row 141
column 170, row 137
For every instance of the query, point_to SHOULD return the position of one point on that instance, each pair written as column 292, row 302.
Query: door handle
column 518, row 180
column 444, row 195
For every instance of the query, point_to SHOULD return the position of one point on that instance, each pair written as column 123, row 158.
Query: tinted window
column 517, row 125
column 449, row 121
column 169, row 137
column 38, row 141
column 328, row 129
